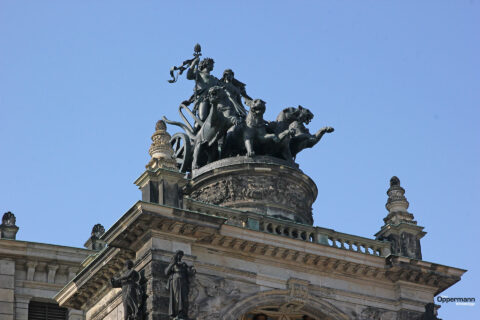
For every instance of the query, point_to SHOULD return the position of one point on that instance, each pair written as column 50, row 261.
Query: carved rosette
column 261, row 184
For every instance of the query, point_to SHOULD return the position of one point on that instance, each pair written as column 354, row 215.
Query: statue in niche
column 132, row 294
column 178, row 286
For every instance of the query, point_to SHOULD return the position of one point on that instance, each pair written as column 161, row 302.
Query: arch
column 311, row 304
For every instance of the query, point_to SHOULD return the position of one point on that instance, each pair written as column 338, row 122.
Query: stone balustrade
column 293, row 230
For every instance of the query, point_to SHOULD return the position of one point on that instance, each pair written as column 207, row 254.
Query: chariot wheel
column 182, row 149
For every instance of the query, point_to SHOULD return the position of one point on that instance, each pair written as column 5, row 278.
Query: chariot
column 183, row 142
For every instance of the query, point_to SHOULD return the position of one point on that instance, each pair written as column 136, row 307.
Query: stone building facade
column 32, row 273
column 245, row 225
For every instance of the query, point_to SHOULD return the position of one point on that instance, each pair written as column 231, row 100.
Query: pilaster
column 21, row 307
column 7, row 289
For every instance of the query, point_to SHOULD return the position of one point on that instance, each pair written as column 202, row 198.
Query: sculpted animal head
column 304, row 115
column 216, row 94
column 288, row 115
column 257, row 107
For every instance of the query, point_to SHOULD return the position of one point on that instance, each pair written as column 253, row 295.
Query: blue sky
column 82, row 84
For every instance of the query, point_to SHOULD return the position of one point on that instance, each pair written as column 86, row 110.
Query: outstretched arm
column 192, row 72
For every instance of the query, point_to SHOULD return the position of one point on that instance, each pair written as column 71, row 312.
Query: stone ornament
column 133, row 296
column 8, row 229
column 178, row 286
column 220, row 127
column 8, row 219
column 97, row 232
column 272, row 191
column 400, row 228
column 210, row 296
column 161, row 150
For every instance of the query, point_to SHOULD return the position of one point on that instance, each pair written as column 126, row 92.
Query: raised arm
column 192, row 72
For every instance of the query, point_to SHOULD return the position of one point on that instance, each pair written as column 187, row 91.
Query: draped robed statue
column 132, row 294
column 178, row 286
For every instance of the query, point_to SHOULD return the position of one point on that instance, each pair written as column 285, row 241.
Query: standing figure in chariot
column 200, row 72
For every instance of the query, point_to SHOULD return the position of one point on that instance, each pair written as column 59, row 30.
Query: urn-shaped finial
column 161, row 150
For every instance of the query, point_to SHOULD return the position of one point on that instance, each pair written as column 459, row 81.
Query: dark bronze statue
column 178, row 286
column 255, row 138
column 223, row 128
column 302, row 138
column 221, row 117
column 235, row 91
column 132, row 294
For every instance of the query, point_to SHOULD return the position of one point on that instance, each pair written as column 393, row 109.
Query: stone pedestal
column 264, row 185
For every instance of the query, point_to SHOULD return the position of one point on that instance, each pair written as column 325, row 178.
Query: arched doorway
column 287, row 311
column 280, row 305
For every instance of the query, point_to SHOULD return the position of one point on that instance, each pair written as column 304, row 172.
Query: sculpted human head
column 206, row 64
column 228, row 75
column 178, row 255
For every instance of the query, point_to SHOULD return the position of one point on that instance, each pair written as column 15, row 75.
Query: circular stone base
column 263, row 184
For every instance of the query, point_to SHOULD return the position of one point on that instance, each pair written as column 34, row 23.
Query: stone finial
column 161, row 150
column 8, row 229
column 97, row 231
column 94, row 242
column 396, row 199
column 400, row 227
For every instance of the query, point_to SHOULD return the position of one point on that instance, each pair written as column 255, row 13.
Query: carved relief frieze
column 267, row 188
column 210, row 295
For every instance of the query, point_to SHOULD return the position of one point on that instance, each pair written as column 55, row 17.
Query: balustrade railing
column 293, row 230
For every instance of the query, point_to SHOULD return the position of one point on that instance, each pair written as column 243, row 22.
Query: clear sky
column 82, row 84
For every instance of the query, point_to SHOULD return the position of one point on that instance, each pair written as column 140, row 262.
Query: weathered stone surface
column 260, row 184
column 400, row 228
